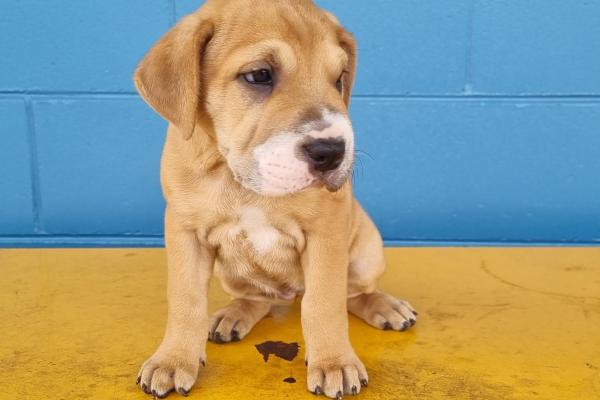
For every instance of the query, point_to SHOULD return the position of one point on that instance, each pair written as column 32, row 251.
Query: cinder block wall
column 480, row 118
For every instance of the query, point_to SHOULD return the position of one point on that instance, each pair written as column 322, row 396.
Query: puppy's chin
column 274, row 185
column 334, row 188
column 333, row 182
column 268, row 187
column 336, row 181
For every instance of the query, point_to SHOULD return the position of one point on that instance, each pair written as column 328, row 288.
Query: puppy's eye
column 340, row 84
column 259, row 77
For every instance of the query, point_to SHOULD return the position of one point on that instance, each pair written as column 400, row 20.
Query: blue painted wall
column 479, row 120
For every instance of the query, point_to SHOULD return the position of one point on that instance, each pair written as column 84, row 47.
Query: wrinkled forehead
column 284, row 56
column 282, row 35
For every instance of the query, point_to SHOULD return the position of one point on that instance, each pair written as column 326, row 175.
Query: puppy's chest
column 258, row 247
column 250, row 227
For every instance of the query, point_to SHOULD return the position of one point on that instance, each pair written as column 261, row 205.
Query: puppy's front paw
column 383, row 311
column 336, row 376
column 168, row 371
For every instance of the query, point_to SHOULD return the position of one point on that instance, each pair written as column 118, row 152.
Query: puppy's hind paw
column 383, row 311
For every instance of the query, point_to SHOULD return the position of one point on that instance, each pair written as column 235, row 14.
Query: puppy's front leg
column 175, row 364
column 333, row 367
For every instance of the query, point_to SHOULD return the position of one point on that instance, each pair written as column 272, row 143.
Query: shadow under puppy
column 255, row 174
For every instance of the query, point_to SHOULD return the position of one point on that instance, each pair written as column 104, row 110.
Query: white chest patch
column 255, row 224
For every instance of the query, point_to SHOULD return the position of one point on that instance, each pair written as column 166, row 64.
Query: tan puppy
column 254, row 172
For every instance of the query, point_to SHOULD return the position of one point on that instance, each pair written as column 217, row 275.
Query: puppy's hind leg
column 367, row 264
column 234, row 321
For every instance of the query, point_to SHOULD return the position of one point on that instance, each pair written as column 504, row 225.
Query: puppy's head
column 270, row 80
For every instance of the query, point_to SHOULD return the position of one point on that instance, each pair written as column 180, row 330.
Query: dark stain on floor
column 287, row 351
column 290, row 380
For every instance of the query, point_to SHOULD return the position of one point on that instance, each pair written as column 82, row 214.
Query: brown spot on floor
column 287, row 351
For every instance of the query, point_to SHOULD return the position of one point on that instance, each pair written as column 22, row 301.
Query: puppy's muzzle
column 324, row 155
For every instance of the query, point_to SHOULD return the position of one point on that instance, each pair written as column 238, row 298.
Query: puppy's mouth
column 299, row 176
column 320, row 162
column 277, row 185
column 332, row 180
column 279, row 179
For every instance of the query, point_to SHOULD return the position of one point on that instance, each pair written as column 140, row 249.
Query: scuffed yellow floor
column 494, row 324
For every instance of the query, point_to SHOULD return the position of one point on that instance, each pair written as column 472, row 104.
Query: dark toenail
column 217, row 338
column 339, row 395
column 415, row 312
column 405, row 326
column 137, row 381
column 354, row 391
column 317, row 391
column 146, row 389
column 306, row 363
column 387, row 326
column 203, row 363
column 235, row 336
column 364, row 382
column 413, row 321
column 183, row 392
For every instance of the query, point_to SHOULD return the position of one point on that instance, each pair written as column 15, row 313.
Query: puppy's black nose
column 325, row 154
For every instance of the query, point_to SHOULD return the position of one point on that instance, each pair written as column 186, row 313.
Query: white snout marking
column 255, row 224
column 339, row 127
column 281, row 172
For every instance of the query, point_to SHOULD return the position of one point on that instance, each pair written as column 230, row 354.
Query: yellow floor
column 494, row 324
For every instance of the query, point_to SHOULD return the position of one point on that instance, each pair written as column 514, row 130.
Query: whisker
column 361, row 152
column 362, row 166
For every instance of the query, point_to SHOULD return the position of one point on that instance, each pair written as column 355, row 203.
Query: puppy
column 255, row 175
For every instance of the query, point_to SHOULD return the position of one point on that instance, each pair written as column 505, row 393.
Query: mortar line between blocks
column 468, row 88
column 34, row 170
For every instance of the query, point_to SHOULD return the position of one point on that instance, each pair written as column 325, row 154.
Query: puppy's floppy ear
column 349, row 45
column 169, row 76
